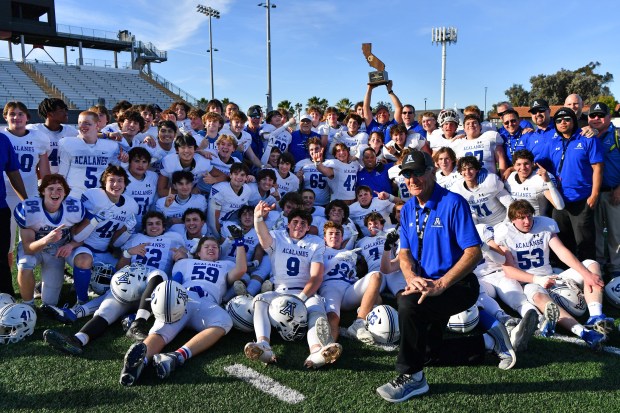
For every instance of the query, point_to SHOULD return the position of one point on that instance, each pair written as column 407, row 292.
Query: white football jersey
column 224, row 199
column 291, row 259
column 54, row 137
column 209, row 277
column 189, row 243
column 82, row 164
column 159, row 251
column 383, row 206
column 338, row 268
column 96, row 200
column 255, row 196
column 372, row 251
column 532, row 189
column 280, row 138
column 354, row 143
column 483, row 148
column 324, row 129
column 437, row 140
column 315, row 180
column 144, row 192
column 399, row 180
column 289, row 183
column 413, row 141
column 343, row 183
column 488, row 201
column 178, row 206
column 31, row 214
column 529, row 250
column 157, row 155
column 449, row 180
column 487, row 265
column 220, row 165
column 199, row 167
column 229, row 252
column 28, row 149
column 349, row 229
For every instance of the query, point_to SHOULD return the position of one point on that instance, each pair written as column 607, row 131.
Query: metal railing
column 74, row 31
column 172, row 87
column 150, row 49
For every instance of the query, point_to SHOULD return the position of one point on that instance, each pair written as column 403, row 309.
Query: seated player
column 222, row 160
column 193, row 228
column 401, row 138
column 338, row 212
column 264, row 188
column 286, row 181
column 485, row 193
column 180, row 198
column 143, row 185
column 163, row 146
column 227, row 197
column 201, row 277
column 529, row 239
column 308, row 197
column 366, row 204
column 45, row 223
column 297, row 265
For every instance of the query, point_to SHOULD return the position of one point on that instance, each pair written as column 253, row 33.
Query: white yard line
column 579, row 342
column 265, row 384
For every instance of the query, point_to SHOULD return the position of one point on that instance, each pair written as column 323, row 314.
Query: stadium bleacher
column 16, row 85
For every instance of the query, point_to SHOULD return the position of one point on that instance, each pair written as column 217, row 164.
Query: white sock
column 595, row 309
column 83, row 338
column 141, row 313
column 577, row 329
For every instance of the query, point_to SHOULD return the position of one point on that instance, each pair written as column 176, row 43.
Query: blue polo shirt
column 8, row 162
column 298, row 147
column 376, row 126
column 257, row 141
column 523, row 124
column 576, row 174
column 449, row 230
column 611, row 153
column 513, row 143
column 377, row 179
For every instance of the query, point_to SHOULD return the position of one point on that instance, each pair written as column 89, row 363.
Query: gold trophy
column 380, row 76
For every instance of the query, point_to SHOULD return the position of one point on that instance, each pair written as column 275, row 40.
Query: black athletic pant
column 577, row 231
column 6, row 278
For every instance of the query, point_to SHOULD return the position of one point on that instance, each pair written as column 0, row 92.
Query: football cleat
column 323, row 331
column 403, row 388
column 63, row 314
column 127, row 320
column 521, row 333
column 502, row 346
column 166, row 363
column 551, row 316
column 259, row 351
column 37, row 290
column 359, row 331
column 240, row 288
column 266, row 286
column 600, row 323
column 593, row 339
column 133, row 364
column 66, row 344
column 326, row 355
column 138, row 330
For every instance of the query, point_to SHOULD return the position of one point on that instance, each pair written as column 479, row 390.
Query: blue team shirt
column 513, row 143
column 374, row 126
column 257, row 141
column 8, row 162
column 415, row 126
column 377, row 179
column 523, row 124
column 611, row 153
column 576, row 174
column 535, row 142
column 298, row 147
column 449, row 230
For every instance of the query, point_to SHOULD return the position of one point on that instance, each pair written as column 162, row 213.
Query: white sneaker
column 266, row 286
column 359, row 331
column 259, row 351
column 239, row 288
column 521, row 333
column 326, row 355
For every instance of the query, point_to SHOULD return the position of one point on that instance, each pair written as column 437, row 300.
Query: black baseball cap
column 539, row 104
column 417, row 162
column 600, row 108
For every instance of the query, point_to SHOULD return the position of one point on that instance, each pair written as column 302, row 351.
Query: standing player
column 227, row 198
column 310, row 177
column 84, row 158
column 286, row 181
column 143, row 185
column 173, row 205
column 352, row 136
column 45, row 223
column 297, row 265
column 163, row 146
column 447, row 173
column 342, row 174
column 276, row 134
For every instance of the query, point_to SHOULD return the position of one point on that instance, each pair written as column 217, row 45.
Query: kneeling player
column 297, row 265
column 206, row 279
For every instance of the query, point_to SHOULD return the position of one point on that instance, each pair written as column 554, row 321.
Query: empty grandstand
column 16, row 85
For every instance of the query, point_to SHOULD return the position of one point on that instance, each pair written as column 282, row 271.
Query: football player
column 163, row 146
column 341, row 173
column 276, row 134
column 297, row 266
column 206, row 278
column 173, row 205
column 193, row 228
column 447, row 173
column 143, row 185
column 338, row 212
column 351, row 136
column 366, row 204
column 529, row 239
column 310, row 177
column 264, row 188
column 285, row 180
column 227, row 197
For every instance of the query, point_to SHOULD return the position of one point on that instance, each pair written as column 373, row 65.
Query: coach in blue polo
column 439, row 249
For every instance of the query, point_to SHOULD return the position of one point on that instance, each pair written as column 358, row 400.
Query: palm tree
column 298, row 107
column 225, row 102
column 286, row 105
column 316, row 101
column 344, row 105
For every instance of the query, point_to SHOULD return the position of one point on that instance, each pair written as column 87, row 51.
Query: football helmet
column 289, row 315
column 17, row 321
column 6, row 299
column 100, row 279
column 169, row 301
column 612, row 292
column 567, row 295
column 448, row 115
column 382, row 322
column 128, row 283
column 156, row 273
column 241, row 310
column 465, row 321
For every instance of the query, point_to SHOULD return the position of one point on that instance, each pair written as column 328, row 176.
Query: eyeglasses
column 500, row 114
column 407, row 113
column 537, row 111
column 596, row 115
column 255, row 116
column 566, row 119
column 510, row 122
column 305, row 121
column 408, row 173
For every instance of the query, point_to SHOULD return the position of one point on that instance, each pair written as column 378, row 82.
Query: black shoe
column 134, row 363
column 66, row 344
column 138, row 330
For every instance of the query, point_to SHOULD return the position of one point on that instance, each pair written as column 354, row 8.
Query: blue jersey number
column 292, row 266
column 91, row 181
column 72, row 205
column 349, row 184
column 53, row 157
column 481, row 210
column 33, row 206
column 202, row 272
column 342, row 269
column 108, row 229
column 152, row 257
column 143, row 204
column 318, row 181
column 26, row 162
column 477, row 154
column 529, row 259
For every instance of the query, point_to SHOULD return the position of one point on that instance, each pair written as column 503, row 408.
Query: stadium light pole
column 268, row 6
column 210, row 12
column 443, row 36
column 485, row 102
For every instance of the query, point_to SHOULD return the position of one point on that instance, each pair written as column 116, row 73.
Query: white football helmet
column 448, row 115
column 241, row 310
column 465, row 321
column 6, row 299
column 156, row 273
column 289, row 315
column 169, row 301
column 567, row 295
column 612, row 292
column 382, row 323
column 100, row 279
column 128, row 284
column 17, row 321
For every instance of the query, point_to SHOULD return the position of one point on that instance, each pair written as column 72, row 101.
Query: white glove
column 130, row 224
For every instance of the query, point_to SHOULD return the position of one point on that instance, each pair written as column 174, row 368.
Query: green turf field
column 552, row 376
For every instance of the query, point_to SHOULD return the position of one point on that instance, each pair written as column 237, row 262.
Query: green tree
column 316, row 101
column 517, row 95
column 386, row 104
column 202, row 103
column 225, row 102
column 344, row 105
column 286, row 105
column 610, row 101
column 298, row 107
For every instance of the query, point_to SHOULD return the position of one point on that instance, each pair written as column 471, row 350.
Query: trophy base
column 378, row 78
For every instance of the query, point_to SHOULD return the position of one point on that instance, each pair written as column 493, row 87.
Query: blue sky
column 316, row 45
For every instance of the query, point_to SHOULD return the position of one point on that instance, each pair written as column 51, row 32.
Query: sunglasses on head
column 566, row 119
column 500, row 114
